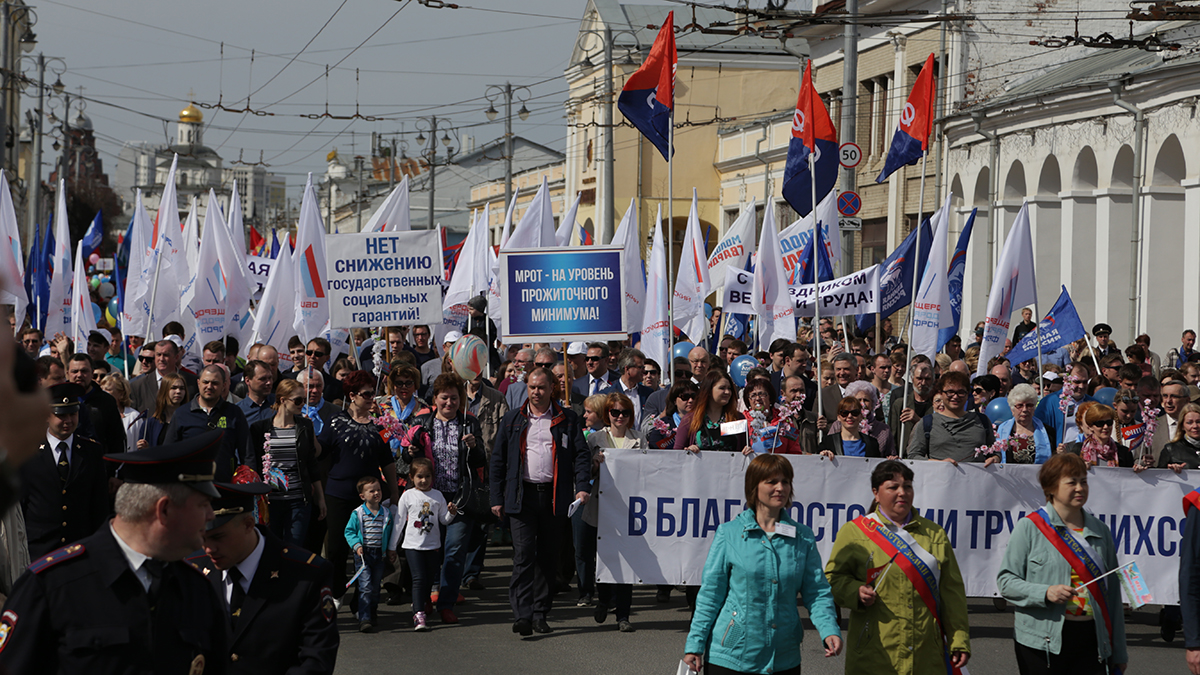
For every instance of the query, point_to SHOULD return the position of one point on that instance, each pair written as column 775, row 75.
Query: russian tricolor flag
column 812, row 131
column 911, row 140
column 648, row 96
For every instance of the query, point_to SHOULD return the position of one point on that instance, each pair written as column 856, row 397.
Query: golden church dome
column 191, row 114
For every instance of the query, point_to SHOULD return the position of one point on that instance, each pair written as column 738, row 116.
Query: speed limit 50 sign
column 849, row 154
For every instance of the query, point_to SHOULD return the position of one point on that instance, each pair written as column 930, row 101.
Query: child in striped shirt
column 369, row 533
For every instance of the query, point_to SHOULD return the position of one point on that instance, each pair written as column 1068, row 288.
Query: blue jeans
column 289, row 519
column 424, row 568
column 456, row 539
column 584, row 538
column 477, row 551
column 368, row 583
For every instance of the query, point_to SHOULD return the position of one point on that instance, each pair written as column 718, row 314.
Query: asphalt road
column 484, row 642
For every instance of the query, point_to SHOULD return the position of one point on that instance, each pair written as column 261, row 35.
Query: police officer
column 278, row 596
column 64, row 487
column 122, row 600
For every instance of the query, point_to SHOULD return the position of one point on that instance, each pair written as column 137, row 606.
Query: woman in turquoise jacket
column 746, row 619
column 1057, row 628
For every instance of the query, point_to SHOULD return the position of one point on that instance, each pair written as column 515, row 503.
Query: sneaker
column 475, row 585
column 448, row 616
column 582, row 602
column 624, row 626
column 366, row 627
column 419, row 622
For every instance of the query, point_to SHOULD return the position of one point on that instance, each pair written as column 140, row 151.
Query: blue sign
column 562, row 294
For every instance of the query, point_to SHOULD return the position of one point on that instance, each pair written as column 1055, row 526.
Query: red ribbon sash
column 1081, row 563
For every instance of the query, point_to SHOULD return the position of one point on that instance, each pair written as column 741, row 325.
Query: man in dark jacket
column 539, row 465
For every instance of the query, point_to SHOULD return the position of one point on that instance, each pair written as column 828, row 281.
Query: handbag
column 475, row 498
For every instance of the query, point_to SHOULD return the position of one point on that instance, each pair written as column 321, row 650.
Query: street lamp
column 507, row 91
column 433, row 124
column 8, row 59
column 57, row 67
column 607, row 193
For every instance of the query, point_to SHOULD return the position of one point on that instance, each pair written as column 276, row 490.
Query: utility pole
column 358, row 167
column 35, row 176
column 849, row 109
column 432, row 166
column 507, row 91
column 608, row 204
column 66, row 126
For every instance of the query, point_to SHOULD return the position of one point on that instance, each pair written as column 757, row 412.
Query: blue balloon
column 1105, row 395
column 708, row 311
column 998, row 410
column 97, row 313
column 740, row 366
column 682, row 349
column 114, row 307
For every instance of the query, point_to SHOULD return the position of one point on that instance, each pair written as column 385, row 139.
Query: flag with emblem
column 648, row 96
column 812, row 132
column 911, row 140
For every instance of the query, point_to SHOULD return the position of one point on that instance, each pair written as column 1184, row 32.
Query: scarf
column 1094, row 452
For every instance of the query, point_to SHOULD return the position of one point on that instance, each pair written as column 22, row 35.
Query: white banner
column 384, row 278
column 856, row 293
column 659, row 510
column 738, row 295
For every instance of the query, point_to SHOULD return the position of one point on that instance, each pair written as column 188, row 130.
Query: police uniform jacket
column 81, row 609
column 57, row 514
column 288, row 621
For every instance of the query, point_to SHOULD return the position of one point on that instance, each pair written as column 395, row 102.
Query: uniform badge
column 197, row 665
column 328, row 607
column 8, row 621
column 275, row 574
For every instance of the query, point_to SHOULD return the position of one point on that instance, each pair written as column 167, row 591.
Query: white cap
column 452, row 336
column 176, row 339
column 102, row 333
column 577, row 349
column 1050, row 376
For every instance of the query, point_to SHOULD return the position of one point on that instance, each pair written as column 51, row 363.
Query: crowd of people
column 390, row 465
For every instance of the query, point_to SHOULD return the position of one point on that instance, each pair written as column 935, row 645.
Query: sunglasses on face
column 146, row 359
column 651, row 373
column 686, row 397
column 314, row 352
column 682, row 375
column 366, row 394
column 1103, row 423
column 404, row 384
column 619, row 412
column 544, row 365
column 593, row 359
column 299, row 400
column 852, row 413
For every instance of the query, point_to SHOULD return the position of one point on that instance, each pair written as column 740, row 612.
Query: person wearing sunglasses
column 1098, row 447
column 681, row 400
column 286, row 444
column 849, row 439
column 619, row 432
column 953, row 434
column 632, row 365
column 1060, row 424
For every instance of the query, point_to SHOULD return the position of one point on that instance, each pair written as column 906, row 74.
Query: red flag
column 256, row 240
column 916, row 119
column 648, row 96
column 811, row 122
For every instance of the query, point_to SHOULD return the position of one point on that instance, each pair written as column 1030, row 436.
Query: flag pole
column 812, row 183
column 670, row 233
column 1037, row 332
column 154, row 291
column 913, row 298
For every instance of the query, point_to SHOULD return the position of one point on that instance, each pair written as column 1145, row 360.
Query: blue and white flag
column 94, row 235
column 1060, row 327
column 958, row 266
column 931, row 311
column 896, row 275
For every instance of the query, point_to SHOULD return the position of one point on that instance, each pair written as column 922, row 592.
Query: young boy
column 369, row 533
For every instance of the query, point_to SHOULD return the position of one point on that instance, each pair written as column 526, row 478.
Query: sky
column 139, row 62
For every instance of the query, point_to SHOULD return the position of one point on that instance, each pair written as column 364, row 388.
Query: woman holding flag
column 1066, row 621
column 912, row 619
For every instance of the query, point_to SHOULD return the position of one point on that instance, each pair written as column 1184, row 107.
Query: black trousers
column 337, row 514
column 619, row 597
column 535, row 534
column 713, row 669
column 1078, row 655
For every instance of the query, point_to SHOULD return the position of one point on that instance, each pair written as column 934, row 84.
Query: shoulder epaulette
column 299, row 555
column 199, row 562
column 55, row 557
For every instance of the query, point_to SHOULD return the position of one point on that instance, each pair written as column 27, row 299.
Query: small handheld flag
column 911, row 139
column 648, row 96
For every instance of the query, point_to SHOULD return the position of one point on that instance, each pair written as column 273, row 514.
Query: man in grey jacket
column 952, row 436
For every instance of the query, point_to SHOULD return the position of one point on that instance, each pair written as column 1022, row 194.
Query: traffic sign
column 849, row 154
column 850, row 223
column 849, row 203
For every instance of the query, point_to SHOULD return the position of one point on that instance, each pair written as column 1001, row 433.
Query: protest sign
column 856, row 293
column 738, row 295
column 562, row 294
column 258, row 270
column 384, row 278
column 659, row 510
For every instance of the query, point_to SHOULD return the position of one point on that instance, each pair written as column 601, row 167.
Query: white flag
column 83, row 319
column 237, row 282
column 691, row 282
column 58, row 314
column 735, row 248
column 12, row 266
column 772, row 300
column 567, row 226
column 932, row 311
column 628, row 236
column 508, row 218
column 187, row 255
column 236, row 228
column 312, row 307
column 794, row 238
column 655, row 327
column 1013, row 286
column 204, row 298
column 379, row 219
column 536, row 229
column 135, row 313
column 471, row 272
column 397, row 219
column 277, row 310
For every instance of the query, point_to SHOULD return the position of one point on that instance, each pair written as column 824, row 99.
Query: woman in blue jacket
column 746, row 619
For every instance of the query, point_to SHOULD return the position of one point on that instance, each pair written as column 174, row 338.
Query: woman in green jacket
column 746, row 619
column 1051, row 553
column 875, row 569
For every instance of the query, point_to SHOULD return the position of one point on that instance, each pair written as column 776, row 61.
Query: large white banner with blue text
column 384, row 278
column 659, row 510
